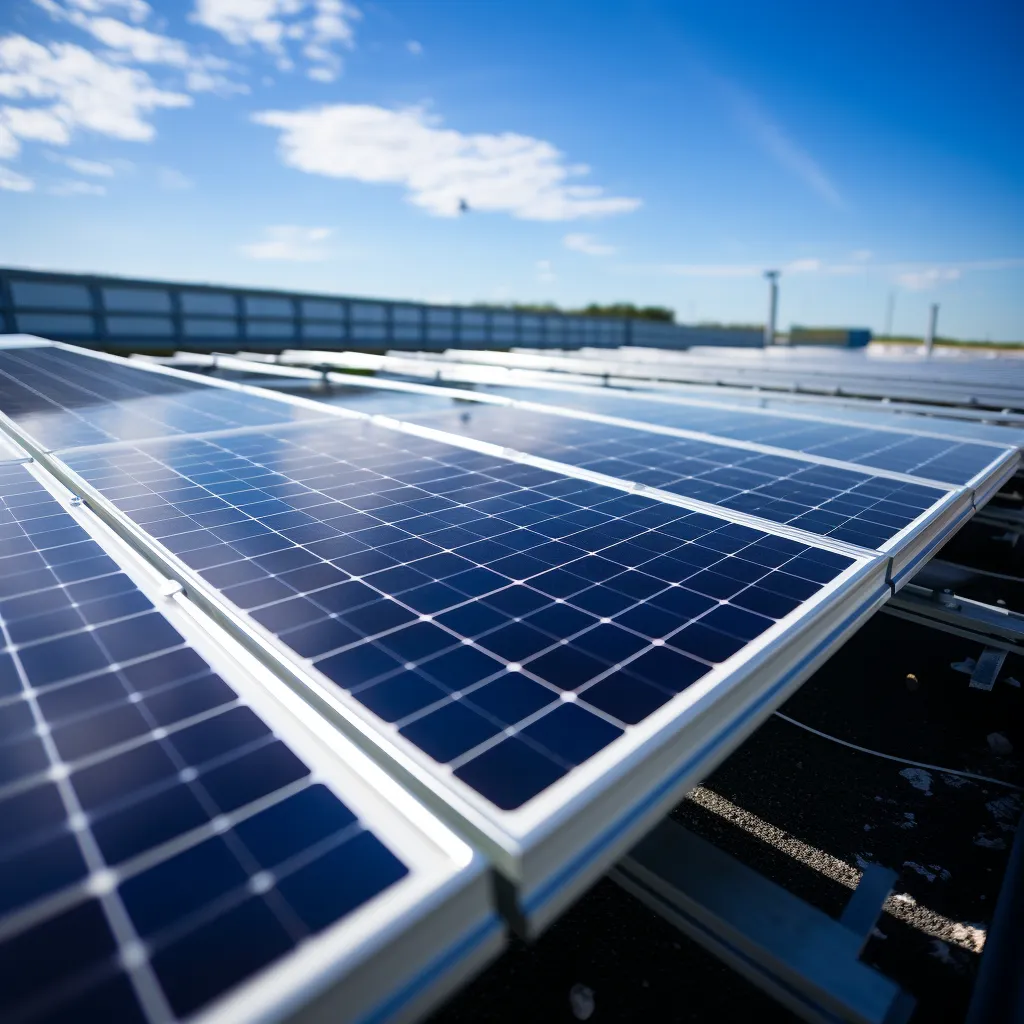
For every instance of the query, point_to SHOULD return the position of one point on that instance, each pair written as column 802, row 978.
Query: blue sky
column 653, row 152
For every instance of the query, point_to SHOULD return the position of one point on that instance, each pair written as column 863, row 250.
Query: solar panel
column 847, row 505
column 174, row 838
column 66, row 398
column 499, row 625
column 934, row 458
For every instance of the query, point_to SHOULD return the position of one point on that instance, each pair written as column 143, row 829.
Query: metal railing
column 122, row 314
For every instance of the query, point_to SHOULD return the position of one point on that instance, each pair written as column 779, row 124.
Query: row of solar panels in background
column 118, row 313
column 982, row 383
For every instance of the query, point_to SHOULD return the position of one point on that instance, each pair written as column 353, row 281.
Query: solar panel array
column 160, row 843
column 993, row 384
column 531, row 646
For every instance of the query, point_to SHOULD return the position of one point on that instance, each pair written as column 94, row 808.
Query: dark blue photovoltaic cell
column 116, row 736
column 509, row 621
column 842, row 504
column 64, row 399
column 955, row 462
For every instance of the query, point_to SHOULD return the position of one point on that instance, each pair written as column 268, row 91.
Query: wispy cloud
column 12, row 181
column 173, row 180
column 414, row 47
column 440, row 167
column 290, row 243
column 77, row 188
column 545, row 273
column 90, row 168
column 587, row 244
column 776, row 142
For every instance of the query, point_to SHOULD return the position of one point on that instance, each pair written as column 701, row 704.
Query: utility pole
column 773, row 305
column 890, row 309
column 933, row 319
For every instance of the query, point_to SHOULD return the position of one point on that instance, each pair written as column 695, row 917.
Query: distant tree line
column 615, row 309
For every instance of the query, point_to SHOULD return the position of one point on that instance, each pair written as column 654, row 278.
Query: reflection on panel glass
column 65, row 399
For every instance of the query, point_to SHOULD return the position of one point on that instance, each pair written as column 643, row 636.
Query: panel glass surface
column 508, row 622
column 66, row 399
column 954, row 462
column 847, row 505
column 159, row 844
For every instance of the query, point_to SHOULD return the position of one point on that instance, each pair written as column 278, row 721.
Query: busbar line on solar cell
column 98, row 832
column 64, row 397
column 647, row 660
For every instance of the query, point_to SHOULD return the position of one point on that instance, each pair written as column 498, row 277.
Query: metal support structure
column 933, row 320
column 995, row 627
column 799, row 955
column 773, row 305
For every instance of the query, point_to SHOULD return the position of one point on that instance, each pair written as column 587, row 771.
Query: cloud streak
column 770, row 136
column 290, row 243
column 587, row 244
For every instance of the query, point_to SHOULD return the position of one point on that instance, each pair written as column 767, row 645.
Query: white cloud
column 414, row 47
column 91, row 168
column 544, row 272
column 510, row 173
column 11, row 181
column 930, row 277
column 173, row 180
column 861, row 255
column 137, row 10
column 292, row 243
column 134, row 44
column 587, row 244
column 319, row 27
column 32, row 123
column 76, row 89
column 77, row 188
